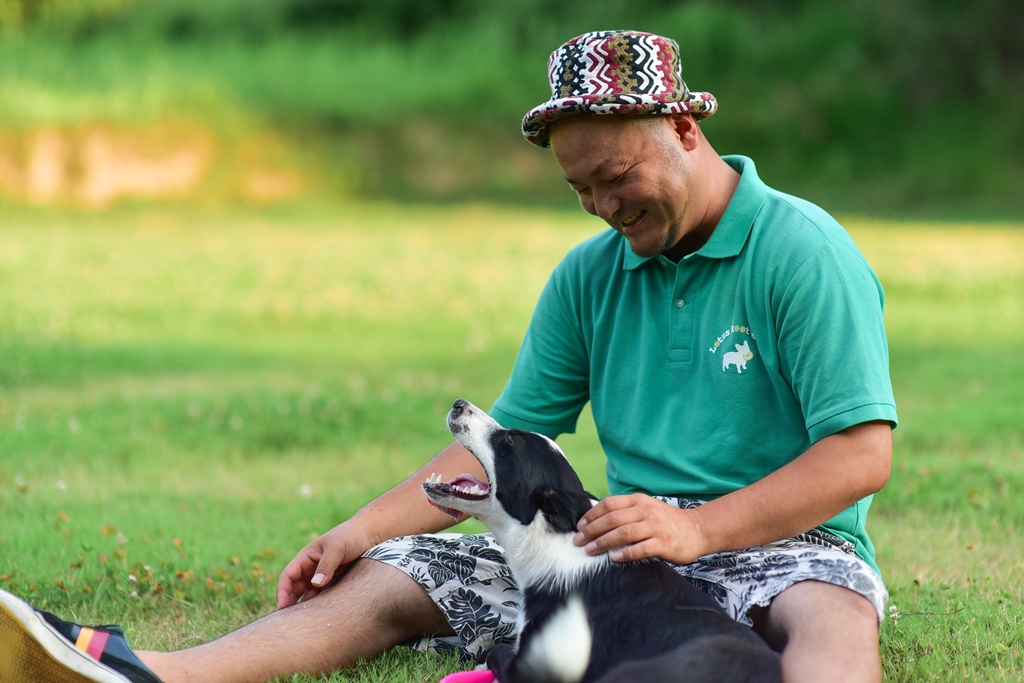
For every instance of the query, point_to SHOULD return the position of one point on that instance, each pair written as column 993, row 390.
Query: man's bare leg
column 825, row 633
column 372, row 608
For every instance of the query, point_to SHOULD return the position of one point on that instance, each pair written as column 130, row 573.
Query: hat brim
column 538, row 120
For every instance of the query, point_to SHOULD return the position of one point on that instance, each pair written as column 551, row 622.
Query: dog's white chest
column 539, row 556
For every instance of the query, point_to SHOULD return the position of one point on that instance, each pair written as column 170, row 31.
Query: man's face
column 635, row 175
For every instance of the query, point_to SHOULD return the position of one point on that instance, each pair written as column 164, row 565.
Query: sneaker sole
column 32, row 651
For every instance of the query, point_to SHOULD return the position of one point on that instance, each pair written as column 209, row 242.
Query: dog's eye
column 509, row 440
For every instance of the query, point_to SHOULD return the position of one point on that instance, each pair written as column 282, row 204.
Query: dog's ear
column 562, row 509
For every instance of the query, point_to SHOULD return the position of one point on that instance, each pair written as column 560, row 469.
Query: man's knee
column 825, row 632
column 395, row 600
column 817, row 611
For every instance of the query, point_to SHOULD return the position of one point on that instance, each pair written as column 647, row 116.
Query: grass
column 188, row 395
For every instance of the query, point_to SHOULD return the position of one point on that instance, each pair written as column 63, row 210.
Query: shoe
column 37, row 647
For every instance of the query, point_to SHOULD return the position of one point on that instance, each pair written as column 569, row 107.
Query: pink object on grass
column 477, row 676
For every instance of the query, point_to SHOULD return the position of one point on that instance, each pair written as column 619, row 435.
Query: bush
column 868, row 104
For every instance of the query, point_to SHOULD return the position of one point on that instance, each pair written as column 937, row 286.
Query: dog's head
column 527, row 473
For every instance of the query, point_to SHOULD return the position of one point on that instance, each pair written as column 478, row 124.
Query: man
column 729, row 339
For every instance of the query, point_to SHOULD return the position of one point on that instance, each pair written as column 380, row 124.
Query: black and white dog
column 585, row 618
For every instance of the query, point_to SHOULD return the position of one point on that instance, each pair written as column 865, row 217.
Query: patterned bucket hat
column 615, row 72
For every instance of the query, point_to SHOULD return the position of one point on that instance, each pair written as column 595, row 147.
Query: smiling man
column 634, row 177
column 729, row 340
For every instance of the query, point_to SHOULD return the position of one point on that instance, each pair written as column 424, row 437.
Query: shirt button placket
column 681, row 335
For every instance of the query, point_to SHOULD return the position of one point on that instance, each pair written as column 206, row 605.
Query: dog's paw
column 499, row 661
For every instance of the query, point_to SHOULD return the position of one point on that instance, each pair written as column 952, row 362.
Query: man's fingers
column 292, row 584
column 637, row 551
column 636, row 526
column 604, row 507
column 309, row 594
column 335, row 563
column 620, row 536
column 320, row 564
column 323, row 574
column 286, row 597
column 607, row 523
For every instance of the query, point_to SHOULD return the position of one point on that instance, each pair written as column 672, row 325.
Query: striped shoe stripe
column 92, row 642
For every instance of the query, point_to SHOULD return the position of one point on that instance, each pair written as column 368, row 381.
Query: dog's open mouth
column 464, row 486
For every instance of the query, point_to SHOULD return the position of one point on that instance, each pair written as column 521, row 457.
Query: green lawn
column 188, row 395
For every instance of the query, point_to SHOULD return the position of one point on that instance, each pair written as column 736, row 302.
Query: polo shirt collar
column 731, row 232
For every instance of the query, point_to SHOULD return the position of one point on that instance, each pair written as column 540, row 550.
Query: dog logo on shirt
column 739, row 357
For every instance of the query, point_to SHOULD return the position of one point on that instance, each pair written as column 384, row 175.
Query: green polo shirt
column 707, row 375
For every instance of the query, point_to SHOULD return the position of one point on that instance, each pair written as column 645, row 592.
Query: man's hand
column 321, row 563
column 827, row 478
column 402, row 511
column 636, row 526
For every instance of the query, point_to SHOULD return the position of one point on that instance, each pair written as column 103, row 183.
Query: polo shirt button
column 680, row 303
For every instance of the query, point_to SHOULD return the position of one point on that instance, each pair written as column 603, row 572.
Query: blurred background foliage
column 868, row 106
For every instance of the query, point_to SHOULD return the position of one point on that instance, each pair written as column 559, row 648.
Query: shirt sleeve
column 832, row 344
column 549, row 384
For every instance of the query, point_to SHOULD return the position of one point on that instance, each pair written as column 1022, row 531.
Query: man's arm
column 830, row 476
column 404, row 510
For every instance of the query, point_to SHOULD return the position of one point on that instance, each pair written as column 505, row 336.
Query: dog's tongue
column 464, row 485
column 457, row 515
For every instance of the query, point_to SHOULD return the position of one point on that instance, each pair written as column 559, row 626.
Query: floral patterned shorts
column 467, row 577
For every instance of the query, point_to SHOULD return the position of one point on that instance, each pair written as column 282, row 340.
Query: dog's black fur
column 645, row 622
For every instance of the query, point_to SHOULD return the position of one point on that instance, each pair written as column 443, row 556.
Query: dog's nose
column 459, row 405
